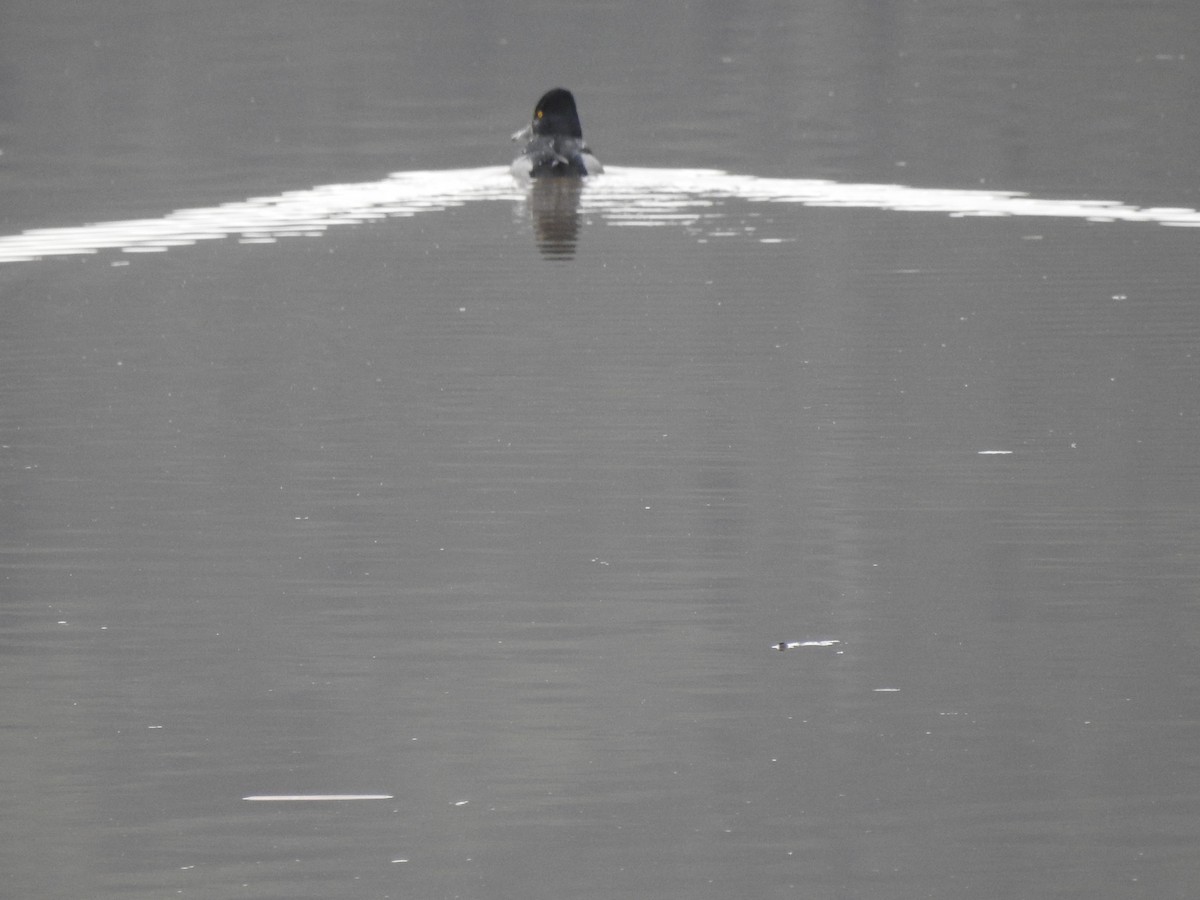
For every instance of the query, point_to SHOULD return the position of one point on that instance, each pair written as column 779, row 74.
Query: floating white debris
column 995, row 453
column 296, row 797
column 792, row 645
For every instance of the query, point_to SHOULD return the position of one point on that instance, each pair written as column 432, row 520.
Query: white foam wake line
column 622, row 195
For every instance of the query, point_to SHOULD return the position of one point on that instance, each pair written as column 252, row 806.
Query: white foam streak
column 622, row 196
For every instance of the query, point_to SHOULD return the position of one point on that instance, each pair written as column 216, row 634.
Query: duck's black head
column 555, row 115
column 553, row 142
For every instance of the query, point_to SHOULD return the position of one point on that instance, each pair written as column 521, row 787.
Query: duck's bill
column 523, row 134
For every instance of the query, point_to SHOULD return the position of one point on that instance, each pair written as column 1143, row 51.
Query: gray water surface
column 493, row 501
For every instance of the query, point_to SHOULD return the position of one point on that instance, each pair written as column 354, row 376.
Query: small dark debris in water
column 792, row 645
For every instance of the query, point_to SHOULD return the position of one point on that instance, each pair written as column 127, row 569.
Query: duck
column 553, row 141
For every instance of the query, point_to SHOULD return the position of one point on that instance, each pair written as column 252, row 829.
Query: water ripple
column 623, row 196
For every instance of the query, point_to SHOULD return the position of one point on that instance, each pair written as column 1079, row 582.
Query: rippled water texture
column 622, row 196
column 372, row 525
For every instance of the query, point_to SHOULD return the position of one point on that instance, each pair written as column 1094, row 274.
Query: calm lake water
column 334, row 462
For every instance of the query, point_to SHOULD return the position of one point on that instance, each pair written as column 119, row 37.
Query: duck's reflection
column 554, row 205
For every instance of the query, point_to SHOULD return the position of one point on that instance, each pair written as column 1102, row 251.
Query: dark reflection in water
column 554, row 205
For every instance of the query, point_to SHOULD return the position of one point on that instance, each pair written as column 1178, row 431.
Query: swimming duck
column 554, row 144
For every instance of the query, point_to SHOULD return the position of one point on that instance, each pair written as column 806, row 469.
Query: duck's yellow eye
column 538, row 113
